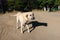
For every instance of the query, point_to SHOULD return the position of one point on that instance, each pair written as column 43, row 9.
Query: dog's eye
column 33, row 14
column 30, row 15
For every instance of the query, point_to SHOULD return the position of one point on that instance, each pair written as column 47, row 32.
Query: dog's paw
column 17, row 27
column 21, row 32
column 28, row 31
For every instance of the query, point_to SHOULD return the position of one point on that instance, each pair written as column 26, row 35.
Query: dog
column 24, row 19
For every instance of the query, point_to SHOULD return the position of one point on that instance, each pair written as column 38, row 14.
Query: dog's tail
column 13, row 15
column 19, row 13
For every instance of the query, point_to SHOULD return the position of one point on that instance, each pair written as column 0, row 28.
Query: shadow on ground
column 36, row 24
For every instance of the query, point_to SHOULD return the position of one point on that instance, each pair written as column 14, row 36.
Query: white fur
column 23, row 19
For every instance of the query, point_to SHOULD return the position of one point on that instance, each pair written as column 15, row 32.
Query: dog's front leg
column 28, row 28
column 21, row 28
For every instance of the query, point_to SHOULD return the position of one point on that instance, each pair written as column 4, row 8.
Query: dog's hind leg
column 17, row 22
column 28, row 28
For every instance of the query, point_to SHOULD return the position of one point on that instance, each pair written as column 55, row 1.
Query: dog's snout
column 33, row 18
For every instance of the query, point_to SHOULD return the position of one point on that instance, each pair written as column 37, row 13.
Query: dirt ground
column 46, row 27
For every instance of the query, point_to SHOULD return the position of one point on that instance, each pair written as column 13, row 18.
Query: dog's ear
column 26, row 16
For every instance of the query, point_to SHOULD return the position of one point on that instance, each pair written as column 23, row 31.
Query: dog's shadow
column 36, row 24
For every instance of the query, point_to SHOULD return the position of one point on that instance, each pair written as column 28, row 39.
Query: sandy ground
column 46, row 27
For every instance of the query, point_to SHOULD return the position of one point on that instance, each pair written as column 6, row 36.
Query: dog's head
column 30, row 16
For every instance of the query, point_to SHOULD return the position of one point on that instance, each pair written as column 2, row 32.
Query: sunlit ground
column 48, row 28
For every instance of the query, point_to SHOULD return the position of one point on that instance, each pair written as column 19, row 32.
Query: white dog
column 24, row 18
